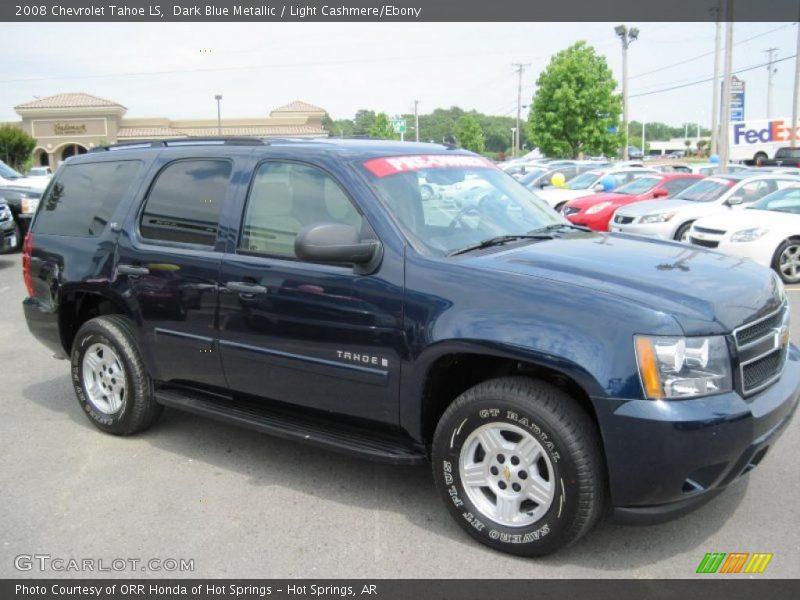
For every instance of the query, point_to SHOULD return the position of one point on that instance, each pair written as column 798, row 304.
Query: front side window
column 638, row 186
column 185, row 202
column 82, row 200
column 284, row 198
column 475, row 201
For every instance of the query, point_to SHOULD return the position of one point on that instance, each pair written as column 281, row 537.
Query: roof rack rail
column 187, row 141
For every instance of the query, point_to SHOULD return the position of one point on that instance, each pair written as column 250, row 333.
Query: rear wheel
column 786, row 261
column 519, row 465
column 110, row 379
column 682, row 234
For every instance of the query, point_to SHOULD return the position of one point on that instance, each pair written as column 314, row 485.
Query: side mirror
column 734, row 200
column 337, row 243
column 660, row 193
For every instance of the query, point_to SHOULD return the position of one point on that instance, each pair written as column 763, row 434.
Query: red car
column 595, row 211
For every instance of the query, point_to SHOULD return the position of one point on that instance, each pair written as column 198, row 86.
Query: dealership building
column 67, row 124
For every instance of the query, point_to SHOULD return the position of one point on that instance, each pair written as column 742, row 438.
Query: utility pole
column 218, row 98
column 725, row 125
column 796, row 95
column 519, row 68
column 626, row 36
column 771, row 70
column 644, row 139
column 715, row 89
column 416, row 120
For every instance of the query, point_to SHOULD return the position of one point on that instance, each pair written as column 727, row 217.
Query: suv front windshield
column 584, row 181
column 638, row 186
column 472, row 201
column 706, row 190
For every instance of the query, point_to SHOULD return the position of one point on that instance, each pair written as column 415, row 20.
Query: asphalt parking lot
column 241, row 504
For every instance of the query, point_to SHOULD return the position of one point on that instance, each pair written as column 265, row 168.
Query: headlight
column 683, row 367
column 29, row 205
column 657, row 218
column 597, row 208
column 749, row 235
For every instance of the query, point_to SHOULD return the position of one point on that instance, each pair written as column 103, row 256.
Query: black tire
column 776, row 261
column 139, row 409
column 759, row 156
column 682, row 230
column 569, row 439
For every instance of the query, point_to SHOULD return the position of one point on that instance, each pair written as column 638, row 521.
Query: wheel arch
column 77, row 306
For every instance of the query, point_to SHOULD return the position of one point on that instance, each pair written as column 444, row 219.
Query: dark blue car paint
column 571, row 305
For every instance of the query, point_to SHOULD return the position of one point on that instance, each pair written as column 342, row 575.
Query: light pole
column 513, row 142
column 716, row 92
column 796, row 93
column 626, row 36
column 725, row 121
column 218, row 98
column 519, row 68
column 416, row 119
column 771, row 70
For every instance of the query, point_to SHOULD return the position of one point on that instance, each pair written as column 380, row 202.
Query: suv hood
column 706, row 292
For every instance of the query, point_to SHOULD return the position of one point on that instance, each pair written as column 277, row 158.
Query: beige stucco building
column 68, row 124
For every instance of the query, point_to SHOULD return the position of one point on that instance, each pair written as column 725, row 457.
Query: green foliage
column 661, row 132
column 16, row 146
column 469, row 134
column 575, row 105
column 382, row 128
column 363, row 122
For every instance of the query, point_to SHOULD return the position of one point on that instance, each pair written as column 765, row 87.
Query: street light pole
column 519, row 68
column 771, row 70
column 218, row 98
column 416, row 119
column 796, row 95
column 715, row 91
column 626, row 36
column 725, row 126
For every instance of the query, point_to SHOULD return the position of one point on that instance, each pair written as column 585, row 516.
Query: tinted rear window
column 82, row 200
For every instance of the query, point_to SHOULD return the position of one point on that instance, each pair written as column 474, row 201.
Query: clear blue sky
column 159, row 70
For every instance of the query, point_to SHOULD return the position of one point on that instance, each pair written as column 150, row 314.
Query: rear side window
column 185, row 201
column 82, row 200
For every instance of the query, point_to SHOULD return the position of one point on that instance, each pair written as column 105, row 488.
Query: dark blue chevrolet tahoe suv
column 410, row 302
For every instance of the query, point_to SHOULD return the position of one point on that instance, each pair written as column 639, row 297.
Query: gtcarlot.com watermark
column 45, row 563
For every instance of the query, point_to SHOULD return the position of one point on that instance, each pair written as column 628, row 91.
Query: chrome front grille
column 622, row 220
column 762, row 348
column 709, row 231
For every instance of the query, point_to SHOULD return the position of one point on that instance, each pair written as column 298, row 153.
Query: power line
column 699, row 56
column 707, row 79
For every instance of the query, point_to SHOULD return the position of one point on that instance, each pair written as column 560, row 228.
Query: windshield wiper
column 556, row 227
column 499, row 241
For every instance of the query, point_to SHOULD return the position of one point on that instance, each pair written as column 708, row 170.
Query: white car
column 39, row 172
column 767, row 232
column 672, row 219
column 9, row 176
column 589, row 183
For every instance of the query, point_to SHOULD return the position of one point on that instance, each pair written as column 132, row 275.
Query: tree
column 469, row 133
column 363, row 121
column 575, row 108
column 16, row 146
column 382, row 128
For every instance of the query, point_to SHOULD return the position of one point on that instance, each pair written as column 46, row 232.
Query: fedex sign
column 770, row 132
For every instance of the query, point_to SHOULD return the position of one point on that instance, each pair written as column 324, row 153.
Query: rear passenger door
column 314, row 335
column 168, row 263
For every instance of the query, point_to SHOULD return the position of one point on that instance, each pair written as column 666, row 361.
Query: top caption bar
column 398, row 11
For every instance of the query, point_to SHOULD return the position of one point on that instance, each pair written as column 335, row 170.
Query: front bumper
column 663, row 231
column 666, row 458
column 8, row 236
column 595, row 222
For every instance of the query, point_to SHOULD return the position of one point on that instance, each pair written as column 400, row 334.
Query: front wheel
column 519, row 465
column 786, row 261
column 682, row 234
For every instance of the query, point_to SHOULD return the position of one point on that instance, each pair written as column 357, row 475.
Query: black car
column 304, row 288
column 23, row 202
column 8, row 229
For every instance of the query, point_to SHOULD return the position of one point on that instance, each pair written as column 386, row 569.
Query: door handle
column 132, row 270
column 243, row 287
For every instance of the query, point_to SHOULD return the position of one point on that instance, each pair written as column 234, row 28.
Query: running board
column 332, row 436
